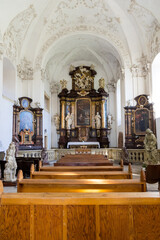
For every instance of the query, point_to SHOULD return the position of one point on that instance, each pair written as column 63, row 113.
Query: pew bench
column 80, row 168
column 80, row 185
column 81, row 174
column 82, row 163
column 80, row 216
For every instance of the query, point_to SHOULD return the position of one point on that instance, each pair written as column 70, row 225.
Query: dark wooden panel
column 48, row 222
column 14, row 222
column 81, row 223
column 114, row 222
column 147, row 222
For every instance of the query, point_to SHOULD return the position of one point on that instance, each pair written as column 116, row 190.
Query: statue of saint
column 69, row 120
column 150, row 143
column 98, row 121
column 11, row 165
column 56, row 119
column 109, row 120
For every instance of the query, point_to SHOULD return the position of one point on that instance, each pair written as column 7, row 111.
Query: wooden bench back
column 80, row 185
column 79, row 216
column 81, row 174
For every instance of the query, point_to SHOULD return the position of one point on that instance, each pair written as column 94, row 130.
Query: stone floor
column 136, row 174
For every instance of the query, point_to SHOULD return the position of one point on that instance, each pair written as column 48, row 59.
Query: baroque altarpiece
column 27, row 125
column 83, row 110
column 137, row 119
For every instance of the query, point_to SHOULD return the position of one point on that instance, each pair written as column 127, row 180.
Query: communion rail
column 135, row 155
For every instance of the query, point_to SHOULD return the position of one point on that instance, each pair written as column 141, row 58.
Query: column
column 73, row 114
column 54, row 88
column 62, row 114
column 112, row 111
column 103, row 113
column 93, row 114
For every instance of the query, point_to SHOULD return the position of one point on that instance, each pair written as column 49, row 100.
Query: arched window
column 156, row 93
column 156, row 85
column 9, row 79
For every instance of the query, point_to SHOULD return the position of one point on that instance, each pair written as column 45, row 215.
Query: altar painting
column 26, row 121
column 141, row 121
column 83, row 112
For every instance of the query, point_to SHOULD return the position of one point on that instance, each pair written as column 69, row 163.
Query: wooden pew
column 81, row 174
column 80, row 185
column 80, row 168
column 63, row 216
column 99, row 163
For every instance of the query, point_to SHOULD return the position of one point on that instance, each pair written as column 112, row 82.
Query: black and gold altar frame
column 83, row 102
column 137, row 119
column 27, row 125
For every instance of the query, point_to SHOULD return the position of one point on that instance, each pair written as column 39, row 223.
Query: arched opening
column 155, row 92
column 9, row 79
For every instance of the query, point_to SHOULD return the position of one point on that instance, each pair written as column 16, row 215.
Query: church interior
column 79, row 119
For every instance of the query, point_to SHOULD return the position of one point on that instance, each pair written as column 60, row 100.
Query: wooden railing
column 135, row 155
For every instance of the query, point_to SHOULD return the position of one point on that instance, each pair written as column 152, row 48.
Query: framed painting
column 83, row 112
column 141, row 121
column 26, row 119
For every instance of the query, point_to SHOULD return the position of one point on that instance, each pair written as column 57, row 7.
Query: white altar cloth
column 82, row 144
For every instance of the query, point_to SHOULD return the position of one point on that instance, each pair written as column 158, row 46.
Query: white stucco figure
column 68, row 121
column 98, row 121
column 56, row 120
column 109, row 120
column 11, row 165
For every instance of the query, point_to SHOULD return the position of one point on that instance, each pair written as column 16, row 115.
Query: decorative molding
column 142, row 68
column 98, row 14
column 63, row 84
column 15, row 34
column 146, row 18
column 112, row 37
column 111, row 86
column 44, row 75
column 25, row 70
column 54, row 87
column 1, row 51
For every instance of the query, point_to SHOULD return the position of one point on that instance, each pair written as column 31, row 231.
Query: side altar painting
column 83, row 110
column 27, row 125
column 137, row 120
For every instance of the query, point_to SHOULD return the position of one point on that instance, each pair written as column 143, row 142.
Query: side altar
column 83, row 110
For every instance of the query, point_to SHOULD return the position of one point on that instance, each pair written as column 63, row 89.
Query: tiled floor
column 136, row 174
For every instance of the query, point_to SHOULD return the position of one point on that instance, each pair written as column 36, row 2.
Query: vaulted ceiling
column 53, row 34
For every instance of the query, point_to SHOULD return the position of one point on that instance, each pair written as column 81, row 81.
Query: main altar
column 83, row 110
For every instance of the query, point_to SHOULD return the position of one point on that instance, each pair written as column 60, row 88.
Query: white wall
column 6, row 121
column 47, row 127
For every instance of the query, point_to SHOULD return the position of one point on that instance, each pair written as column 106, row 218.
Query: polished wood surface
column 80, row 168
column 80, row 216
column 80, row 163
column 80, row 185
column 81, row 174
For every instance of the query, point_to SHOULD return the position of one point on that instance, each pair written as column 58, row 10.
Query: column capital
column 54, row 87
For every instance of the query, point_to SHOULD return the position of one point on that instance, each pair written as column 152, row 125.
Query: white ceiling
column 54, row 34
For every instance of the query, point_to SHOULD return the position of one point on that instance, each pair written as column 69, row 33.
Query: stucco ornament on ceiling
column 16, row 31
column 54, row 87
column 111, row 86
column 1, row 50
column 147, row 20
column 106, row 33
column 25, row 70
column 44, row 75
column 74, row 13
column 142, row 68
